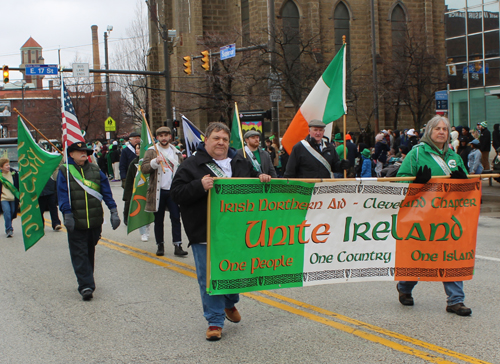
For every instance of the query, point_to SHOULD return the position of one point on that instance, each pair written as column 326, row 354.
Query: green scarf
column 440, row 152
column 10, row 186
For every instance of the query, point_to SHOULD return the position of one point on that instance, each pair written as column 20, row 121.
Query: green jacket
column 422, row 155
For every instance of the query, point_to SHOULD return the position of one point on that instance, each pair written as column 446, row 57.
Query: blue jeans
column 454, row 290
column 213, row 306
column 8, row 208
column 175, row 218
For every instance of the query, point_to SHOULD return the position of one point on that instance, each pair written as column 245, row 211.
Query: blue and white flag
column 192, row 136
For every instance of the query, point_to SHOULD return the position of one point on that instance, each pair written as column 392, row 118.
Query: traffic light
column 5, row 74
column 187, row 65
column 205, row 60
column 176, row 123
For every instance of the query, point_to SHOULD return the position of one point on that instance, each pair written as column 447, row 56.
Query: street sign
column 275, row 95
column 80, row 70
column 441, row 102
column 228, row 51
column 110, row 124
column 41, row 69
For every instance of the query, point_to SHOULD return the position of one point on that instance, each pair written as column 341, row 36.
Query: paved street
column 148, row 310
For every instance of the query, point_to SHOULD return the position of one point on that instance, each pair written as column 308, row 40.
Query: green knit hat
column 338, row 138
column 484, row 124
column 366, row 153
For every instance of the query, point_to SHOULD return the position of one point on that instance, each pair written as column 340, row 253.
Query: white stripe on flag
column 314, row 105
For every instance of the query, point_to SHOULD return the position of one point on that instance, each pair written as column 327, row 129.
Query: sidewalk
column 491, row 199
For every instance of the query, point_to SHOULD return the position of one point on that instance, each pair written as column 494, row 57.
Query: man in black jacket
column 128, row 155
column 313, row 157
column 192, row 181
column 260, row 159
column 485, row 144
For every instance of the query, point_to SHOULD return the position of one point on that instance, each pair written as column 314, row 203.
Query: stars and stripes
column 70, row 125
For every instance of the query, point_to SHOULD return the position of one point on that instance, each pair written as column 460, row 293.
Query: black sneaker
column 87, row 294
column 460, row 309
column 405, row 298
column 10, row 233
column 178, row 250
column 161, row 250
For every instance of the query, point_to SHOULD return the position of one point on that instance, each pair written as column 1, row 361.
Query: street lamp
column 106, row 67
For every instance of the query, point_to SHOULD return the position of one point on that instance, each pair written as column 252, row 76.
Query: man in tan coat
column 161, row 168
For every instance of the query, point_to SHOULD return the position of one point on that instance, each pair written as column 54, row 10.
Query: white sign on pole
column 275, row 95
column 80, row 70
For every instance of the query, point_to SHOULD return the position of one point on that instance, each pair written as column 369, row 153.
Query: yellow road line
column 348, row 329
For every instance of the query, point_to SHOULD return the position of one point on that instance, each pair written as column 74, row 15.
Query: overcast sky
column 63, row 24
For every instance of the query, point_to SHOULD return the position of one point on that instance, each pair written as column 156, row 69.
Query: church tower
column 31, row 53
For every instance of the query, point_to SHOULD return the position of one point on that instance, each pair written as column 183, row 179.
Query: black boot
column 161, row 250
column 178, row 250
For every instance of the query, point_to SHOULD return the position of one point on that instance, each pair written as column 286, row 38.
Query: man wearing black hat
column 313, row 157
column 260, row 159
column 128, row 155
column 82, row 210
column 161, row 168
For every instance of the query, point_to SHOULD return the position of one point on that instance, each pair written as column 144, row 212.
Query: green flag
column 236, row 140
column 138, row 217
column 36, row 165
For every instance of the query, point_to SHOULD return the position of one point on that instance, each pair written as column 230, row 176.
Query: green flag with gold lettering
column 36, row 165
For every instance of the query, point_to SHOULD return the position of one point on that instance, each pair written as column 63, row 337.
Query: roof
column 31, row 43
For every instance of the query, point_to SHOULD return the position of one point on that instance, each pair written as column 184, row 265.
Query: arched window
column 398, row 27
column 291, row 33
column 245, row 22
column 341, row 19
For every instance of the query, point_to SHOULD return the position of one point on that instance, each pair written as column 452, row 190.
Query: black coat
column 188, row 192
column 15, row 179
column 125, row 159
column 496, row 136
column 302, row 164
column 266, row 162
column 485, row 140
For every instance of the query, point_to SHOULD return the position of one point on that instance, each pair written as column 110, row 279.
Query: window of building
column 455, row 24
column 491, row 16
column 475, row 20
column 398, row 28
column 245, row 22
column 492, row 75
column 341, row 19
column 491, row 44
column 291, row 32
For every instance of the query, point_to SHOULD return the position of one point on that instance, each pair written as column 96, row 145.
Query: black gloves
column 115, row 219
column 345, row 164
column 458, row 174
column 423, row 175
column 69, row 222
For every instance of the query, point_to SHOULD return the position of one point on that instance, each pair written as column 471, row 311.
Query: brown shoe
column 460, row 309
column 57, row 227
column 214, row 333
column 405, row 298
column 232, row 314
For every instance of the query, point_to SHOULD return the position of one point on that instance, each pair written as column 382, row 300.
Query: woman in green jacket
column 433, row 157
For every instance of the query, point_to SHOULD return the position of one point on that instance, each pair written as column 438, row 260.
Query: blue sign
column 228, row 51
column 472, row 68
column 441, row 100
column 442, row 95
column 41, row 69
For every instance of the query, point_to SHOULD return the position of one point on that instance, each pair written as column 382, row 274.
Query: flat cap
column 163, row 129
column 316, row 124
column 134, row 134
column 251, row 133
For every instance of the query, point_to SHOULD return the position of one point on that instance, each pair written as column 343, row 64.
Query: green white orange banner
column 291, row 234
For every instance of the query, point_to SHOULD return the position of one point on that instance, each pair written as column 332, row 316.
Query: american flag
column 70, row 125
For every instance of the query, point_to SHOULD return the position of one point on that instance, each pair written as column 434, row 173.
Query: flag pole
column 344, row 118
column 239, row 129
column 65, row 135
column 38, row 131
column 152, row 139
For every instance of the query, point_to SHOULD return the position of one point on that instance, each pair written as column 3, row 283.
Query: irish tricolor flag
column 325, row 102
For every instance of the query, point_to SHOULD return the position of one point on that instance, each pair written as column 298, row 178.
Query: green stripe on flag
column 334, row 78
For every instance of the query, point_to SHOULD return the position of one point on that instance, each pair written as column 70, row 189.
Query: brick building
column 310, row 31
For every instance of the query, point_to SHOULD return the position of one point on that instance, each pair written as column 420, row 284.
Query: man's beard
column 164, row 143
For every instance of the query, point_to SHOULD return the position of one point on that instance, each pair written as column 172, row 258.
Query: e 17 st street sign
column 41, row 69
column 228, row 51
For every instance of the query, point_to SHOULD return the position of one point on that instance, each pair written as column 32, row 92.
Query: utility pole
column 166, row 57
column 106, row 67
column 374, row 66
column 272, row 50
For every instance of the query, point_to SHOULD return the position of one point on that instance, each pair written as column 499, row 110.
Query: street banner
column 36, row 165
column 138, row 217
column 325, row 102
column 292, row 233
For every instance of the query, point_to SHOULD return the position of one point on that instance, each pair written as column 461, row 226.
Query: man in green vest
column 82, row 210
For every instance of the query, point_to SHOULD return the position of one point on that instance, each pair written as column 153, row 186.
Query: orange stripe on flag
column 297, row 130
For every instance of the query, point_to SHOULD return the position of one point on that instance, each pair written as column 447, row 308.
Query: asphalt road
column 148, row 310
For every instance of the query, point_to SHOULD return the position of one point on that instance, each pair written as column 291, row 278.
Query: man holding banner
column 313, row 157
column 433, row 157
column 194, row 178
column 82, row 210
